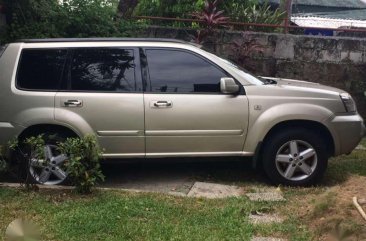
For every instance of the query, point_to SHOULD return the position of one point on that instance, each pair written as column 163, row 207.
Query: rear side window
column 102, row 69
column 40, row 69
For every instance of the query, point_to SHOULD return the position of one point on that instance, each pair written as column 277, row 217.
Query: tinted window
column 181, row 72
column 40, row 69
column 102, row 70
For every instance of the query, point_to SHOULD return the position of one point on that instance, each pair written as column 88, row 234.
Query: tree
column 125, row 8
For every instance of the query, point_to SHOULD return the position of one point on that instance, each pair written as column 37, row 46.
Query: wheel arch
column 303, row 124
column 42, row 128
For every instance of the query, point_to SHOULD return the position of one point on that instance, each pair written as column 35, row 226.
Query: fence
column 286, row 27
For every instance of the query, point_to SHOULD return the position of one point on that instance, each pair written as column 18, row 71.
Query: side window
column 40, row 69
column 175, row 71
column 102, row 69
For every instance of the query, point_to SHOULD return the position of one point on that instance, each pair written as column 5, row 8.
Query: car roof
column 58, row 40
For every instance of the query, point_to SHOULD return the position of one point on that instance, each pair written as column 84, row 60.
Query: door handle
column 161, row 104
column 73, row 103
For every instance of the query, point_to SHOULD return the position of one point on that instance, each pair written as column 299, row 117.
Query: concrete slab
column 213, row 190
column 360, row 147
column 264, row 218
column 267, row 239
column 273, row 196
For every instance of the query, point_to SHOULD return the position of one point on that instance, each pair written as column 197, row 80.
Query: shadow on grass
column 340, row 168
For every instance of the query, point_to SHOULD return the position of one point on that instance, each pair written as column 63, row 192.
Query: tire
column 49, row 170
column 295, row 157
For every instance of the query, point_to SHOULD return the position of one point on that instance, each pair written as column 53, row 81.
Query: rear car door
column 185, row 112
column 101, row 93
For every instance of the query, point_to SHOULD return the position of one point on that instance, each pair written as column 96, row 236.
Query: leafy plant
column 68, row 18
column 253, row 12
column 4, row 163
column 168, row 8
column 83, row 166
column 211, row 18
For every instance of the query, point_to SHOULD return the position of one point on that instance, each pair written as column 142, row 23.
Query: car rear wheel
column 48, row 168
column 295, row 157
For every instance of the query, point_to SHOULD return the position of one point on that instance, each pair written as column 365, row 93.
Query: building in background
column 342, row 14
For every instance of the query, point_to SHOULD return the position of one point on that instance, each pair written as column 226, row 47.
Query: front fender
column 261, row 124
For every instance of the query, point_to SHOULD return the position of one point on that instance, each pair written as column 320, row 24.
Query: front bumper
column 347, row 131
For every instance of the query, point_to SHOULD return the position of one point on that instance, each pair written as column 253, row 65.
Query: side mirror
column 229, row 86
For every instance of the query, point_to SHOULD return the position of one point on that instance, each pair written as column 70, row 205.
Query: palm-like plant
column 210, row 18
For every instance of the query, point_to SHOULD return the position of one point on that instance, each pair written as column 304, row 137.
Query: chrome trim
column 120, row 133
column 123, row 155
column 194, row 133
column 6, row 125
column 199, row 154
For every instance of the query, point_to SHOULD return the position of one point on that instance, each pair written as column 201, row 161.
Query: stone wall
column 334, row 61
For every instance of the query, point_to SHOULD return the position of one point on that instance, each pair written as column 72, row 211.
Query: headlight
column 348, row 102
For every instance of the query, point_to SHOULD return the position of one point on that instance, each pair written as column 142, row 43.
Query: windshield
column 245, row 73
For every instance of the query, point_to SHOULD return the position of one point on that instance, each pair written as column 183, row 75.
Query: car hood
column 286, row 83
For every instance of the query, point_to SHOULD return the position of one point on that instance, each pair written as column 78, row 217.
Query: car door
column 102, row 93
column 185, row 112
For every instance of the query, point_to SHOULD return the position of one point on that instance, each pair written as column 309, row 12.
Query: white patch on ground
column 272, row 196
column 263, row 218
column 213, row 190
column 360, row 147
column 267, row 239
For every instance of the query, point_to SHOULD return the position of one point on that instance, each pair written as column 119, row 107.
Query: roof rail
column 57, row 40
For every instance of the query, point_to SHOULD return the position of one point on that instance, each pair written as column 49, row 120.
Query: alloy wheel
column 296, row 160
column 49, row 170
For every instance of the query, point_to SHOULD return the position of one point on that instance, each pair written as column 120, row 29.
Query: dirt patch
column 331, row 215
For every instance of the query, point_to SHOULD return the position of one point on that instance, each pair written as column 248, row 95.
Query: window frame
column 147, row 79
column 41, row 90
column 66, row 79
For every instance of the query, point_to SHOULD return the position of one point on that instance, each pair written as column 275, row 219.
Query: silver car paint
column 195, row 125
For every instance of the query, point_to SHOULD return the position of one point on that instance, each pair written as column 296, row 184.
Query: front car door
column 185, row 112
column 102, row 93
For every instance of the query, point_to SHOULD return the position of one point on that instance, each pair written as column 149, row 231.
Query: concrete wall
column 334, row 61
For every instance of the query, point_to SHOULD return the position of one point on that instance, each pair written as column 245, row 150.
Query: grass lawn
column 310, row 213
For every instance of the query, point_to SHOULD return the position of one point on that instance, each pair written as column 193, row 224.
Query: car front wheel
column 295, row 157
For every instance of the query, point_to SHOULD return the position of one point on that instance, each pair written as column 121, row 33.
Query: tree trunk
column 126, row 7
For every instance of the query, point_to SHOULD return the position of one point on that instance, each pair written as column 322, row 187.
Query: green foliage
column 3, row 160
column 83, row 166
column 252, row 12
column 211, row 19
column 72, row 18
column 5, row 155
column 168, row 8
column 35, row 145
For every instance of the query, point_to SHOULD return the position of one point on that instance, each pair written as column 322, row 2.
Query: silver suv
column 149, row 98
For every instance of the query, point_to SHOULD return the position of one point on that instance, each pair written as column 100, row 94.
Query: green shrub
column 72, row 18
column 3, row 161
column 83, row 166
column 168, row 8
column 252, row 12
